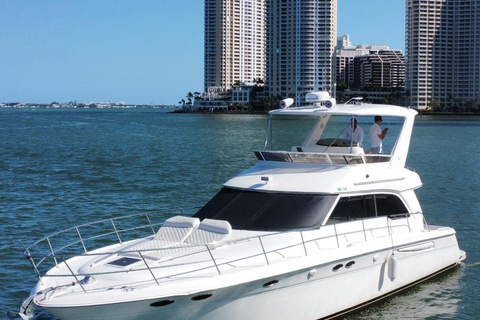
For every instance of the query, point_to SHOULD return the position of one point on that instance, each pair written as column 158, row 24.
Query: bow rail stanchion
column 30, row 258
column 148, row 267
column 74, row 275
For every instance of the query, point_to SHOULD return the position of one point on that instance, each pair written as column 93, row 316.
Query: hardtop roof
column 363, row 109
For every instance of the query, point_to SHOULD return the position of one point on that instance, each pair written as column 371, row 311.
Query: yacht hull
column 319, row 291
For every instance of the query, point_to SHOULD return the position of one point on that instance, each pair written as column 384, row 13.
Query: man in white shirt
column 377, row 135
column 356, row 133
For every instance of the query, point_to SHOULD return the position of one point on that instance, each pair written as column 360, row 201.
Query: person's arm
column 383, row 134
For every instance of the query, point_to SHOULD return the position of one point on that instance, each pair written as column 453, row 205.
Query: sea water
column 64, row 167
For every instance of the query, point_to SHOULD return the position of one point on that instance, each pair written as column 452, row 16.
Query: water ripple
column 59, row 168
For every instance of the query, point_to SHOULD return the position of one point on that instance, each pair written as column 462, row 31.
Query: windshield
column 289, row 133
column 284, row 132
column 340, row 128
column 263, row 211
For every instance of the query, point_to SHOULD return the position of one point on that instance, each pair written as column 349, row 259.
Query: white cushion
column 173, row 232
column 210, row 231
column 177, row 229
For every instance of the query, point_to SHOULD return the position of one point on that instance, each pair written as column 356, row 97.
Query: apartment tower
column 234, row 43
column 443, row 52
column 301, row 38
column 380, row 69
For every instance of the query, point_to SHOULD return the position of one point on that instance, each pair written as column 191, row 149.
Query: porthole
column 270, row 284
column 161, row 303
column 351, row 263
column 201, row 297
column 337, row 267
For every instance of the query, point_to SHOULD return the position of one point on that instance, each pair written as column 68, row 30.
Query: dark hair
column 378, row 118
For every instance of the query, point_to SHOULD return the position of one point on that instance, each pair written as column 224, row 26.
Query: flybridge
column 325, row 126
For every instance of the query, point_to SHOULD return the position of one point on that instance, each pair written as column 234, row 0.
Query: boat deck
column 155, row 261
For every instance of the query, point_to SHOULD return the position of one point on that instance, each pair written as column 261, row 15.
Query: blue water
column 63, row 167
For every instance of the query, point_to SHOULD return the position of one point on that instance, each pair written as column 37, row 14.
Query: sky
column 135, row 51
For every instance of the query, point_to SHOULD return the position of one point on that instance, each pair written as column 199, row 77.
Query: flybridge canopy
column 362, row 109
column 322, row 104
column 328, row 135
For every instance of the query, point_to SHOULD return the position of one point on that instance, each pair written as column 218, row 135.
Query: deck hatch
column 123, row 262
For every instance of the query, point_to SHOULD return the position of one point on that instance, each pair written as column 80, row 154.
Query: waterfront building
column 369, row 66
column 443, row 52
column 241, row 95
column 210, row 105
column 301, row 36
column 234, row 43
column 345, row 55
column 381, row 69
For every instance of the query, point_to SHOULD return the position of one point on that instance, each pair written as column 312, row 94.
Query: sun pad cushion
column 210, row 231
column 177, row 229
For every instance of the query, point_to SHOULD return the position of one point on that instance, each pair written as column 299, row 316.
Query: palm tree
column 182, row 102
column 237, row 84
column 189, row 102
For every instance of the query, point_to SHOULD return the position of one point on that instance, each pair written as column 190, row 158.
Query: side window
column 350, row 208
column 361, row 207
column 388, row 204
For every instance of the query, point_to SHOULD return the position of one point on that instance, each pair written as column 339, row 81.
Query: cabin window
column 265, row 211
column 360, row 207
column 389, row 205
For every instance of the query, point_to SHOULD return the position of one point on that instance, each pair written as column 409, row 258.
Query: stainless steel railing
column 305, row 238
column 100, row 232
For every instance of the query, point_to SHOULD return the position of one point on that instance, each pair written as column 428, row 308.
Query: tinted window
column 268, row 211
column 359, row 207
column 388, row 204
column 349, row 208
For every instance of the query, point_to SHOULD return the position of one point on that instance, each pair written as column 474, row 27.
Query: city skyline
column 142, row 52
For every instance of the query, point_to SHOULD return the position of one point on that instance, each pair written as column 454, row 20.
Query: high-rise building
column 300, row 45
column 380, row 69
column 234, row 43
column 368, row 66
column 443, row 51
column 345, row 58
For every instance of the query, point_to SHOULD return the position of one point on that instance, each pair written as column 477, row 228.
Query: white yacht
column 318, row 228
